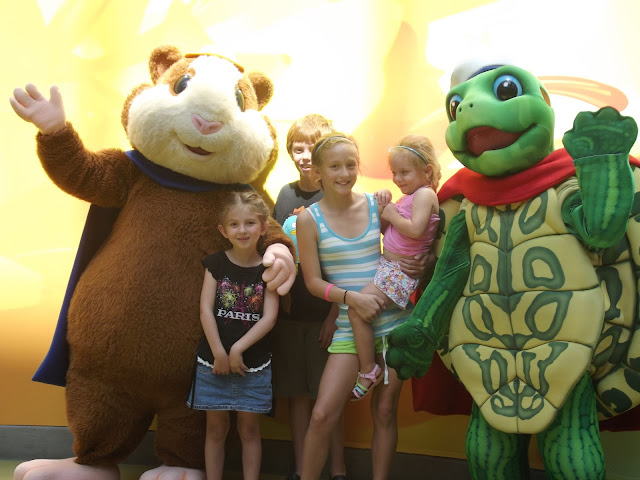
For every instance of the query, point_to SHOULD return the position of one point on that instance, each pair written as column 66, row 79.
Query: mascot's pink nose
column 205, row 127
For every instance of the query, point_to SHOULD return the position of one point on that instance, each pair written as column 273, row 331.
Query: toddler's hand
column 390, row 211
column 383, row 197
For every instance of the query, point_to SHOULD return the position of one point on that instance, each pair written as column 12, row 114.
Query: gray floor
column 19, row 443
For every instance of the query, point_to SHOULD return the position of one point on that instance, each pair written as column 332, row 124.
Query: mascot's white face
column 197, row 125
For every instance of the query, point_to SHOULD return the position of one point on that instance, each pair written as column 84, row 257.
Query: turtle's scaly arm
column 412, row 344
column 599, row 144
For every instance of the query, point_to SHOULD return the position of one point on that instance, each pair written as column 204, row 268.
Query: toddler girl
column 410, row 228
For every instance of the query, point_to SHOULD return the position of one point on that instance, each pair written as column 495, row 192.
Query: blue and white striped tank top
column 351, row 263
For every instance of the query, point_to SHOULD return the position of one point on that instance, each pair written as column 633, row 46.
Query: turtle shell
column 532, row 311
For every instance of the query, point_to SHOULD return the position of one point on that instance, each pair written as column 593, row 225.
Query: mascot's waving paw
column 32, row 106
column 599, row 144
column 600, row 133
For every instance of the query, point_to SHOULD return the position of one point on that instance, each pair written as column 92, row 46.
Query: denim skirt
column 248, row 393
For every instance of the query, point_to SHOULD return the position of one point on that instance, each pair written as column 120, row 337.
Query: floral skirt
column 394, row 283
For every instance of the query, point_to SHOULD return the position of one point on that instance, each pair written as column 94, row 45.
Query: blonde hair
column 252, row 200
column 424, row 153
column 327, row 141
column 307, row 130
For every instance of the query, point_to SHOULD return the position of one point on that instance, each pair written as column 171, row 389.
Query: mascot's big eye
column 506, row 87
column 240, row 99
column 181, row 84
column 453, row 105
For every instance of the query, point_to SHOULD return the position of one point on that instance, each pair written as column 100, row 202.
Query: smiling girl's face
column 338, row 168
column 242, row 227
column 408, row 174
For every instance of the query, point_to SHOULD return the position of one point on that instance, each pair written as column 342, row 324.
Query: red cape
column 438, row 392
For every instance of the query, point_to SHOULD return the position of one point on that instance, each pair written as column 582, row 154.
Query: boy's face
column 301, row 155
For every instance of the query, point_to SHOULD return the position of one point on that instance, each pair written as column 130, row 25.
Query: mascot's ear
column 161, row 59
column 159, row 62
column 124, row 116
column 263, row 87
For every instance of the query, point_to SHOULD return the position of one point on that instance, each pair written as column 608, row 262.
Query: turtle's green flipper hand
column 599, row 144
column 412, row 344
column 604, row 132
column 410, row 349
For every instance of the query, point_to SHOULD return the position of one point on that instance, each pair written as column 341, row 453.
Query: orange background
column 378, row 68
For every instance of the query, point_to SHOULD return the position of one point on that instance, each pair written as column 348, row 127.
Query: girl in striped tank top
column 339, row 249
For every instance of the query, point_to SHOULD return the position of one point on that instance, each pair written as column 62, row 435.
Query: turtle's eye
column 454, row 101
column 240, row 99
column 507, row 87
column 181, row 83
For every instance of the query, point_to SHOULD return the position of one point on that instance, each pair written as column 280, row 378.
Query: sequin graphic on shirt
column 239, row 301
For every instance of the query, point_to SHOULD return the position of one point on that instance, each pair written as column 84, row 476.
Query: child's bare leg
column 335, row 385
column 363, row 336
column 217, row 429
column 336, row 450
column 300, row 408
column 249, row 431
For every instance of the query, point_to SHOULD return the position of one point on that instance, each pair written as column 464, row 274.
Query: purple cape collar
column 170, row 179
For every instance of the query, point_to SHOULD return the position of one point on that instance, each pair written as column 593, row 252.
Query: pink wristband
column 326, row 292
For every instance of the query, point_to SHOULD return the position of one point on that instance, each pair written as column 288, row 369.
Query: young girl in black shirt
column 234, row 358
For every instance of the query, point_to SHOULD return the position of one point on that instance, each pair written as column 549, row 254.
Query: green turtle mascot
column 533, row 302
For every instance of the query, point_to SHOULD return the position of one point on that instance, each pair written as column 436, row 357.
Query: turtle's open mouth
column 482, row 139
column 198, row 150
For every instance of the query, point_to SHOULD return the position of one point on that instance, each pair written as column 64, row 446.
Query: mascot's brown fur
column 133, row 322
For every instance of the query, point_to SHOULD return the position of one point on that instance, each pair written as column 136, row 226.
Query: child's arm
column 425, row 202
column 258, row 331
column 208, row 320
column 328, row 327
column 367, row 306
column 383, row 197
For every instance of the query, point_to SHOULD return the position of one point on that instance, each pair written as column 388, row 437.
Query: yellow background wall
column 378, row 68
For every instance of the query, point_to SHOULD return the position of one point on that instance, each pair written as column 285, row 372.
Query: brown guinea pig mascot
column 125, row 343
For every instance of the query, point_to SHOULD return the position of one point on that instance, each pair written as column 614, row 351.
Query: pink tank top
column 398, row 243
